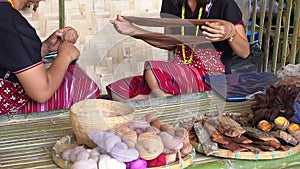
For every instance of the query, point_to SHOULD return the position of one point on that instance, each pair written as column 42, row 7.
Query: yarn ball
column 156, row 123
column 90, row 164
column 171, row 144
column 152, row 129
column 113, row 145
column 149, row 145
column 70, row 35
column 129, row 138
column 158, row 161
column 168, row 128
column 94, row 154
column 124, row 154
column 107, row 162
column 137, row 164
column 78, row 154
column 139, row 126
column 66, row 154
column 150, row 117
column 121, row 130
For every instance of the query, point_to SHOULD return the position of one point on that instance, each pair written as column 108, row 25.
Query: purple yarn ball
column 137, row 164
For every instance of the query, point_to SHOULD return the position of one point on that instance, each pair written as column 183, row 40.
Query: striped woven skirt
column 172, row 78
column 76, row 86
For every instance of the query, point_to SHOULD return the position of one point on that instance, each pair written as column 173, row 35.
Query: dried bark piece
column 285, row 147
column 215, row 135
column 242, row 140
column 209, row 147
column 234, row 147
column 229, row 127
column 274, row 144
column 284, row 136
column 251, row 148
column 258, row 134
column 264, row 147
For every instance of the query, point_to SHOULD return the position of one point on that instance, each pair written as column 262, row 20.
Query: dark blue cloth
column 236, row 87
column 296, row 117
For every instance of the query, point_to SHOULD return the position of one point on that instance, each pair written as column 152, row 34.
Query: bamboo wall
column 105, row 54
column 108, row 56
column 279, row 32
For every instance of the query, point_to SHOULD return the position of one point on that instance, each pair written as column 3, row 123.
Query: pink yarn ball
column 137, row 164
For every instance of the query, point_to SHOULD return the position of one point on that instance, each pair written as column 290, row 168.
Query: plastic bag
column 253, row 63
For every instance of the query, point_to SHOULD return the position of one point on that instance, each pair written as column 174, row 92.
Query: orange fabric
column 13, row 4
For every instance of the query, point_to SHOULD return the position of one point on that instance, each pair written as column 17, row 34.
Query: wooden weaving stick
column 174, row 22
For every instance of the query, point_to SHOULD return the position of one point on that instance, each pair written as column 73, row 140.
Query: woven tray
column 67, row 141
column 266, row 155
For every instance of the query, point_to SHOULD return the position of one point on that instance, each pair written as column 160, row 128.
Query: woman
column 184, row 73
column 25, row 84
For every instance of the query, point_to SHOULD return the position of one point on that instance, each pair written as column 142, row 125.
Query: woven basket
column 266, row 155
column 68, row 142
column 97, row 115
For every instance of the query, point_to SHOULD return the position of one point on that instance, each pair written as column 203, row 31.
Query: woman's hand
column 123, row 26
column 218, row 30
column 67, row 49
column 52, row 43
column 235, row 34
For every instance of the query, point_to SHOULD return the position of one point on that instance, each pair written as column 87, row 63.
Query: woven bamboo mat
column 26, row 140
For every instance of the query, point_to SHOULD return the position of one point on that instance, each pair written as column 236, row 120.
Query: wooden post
column 277, row 36
column 286, row 32
column 262, row 22
column 267, row 39
column 295, row 33
column 61, row 13
column 253, row 23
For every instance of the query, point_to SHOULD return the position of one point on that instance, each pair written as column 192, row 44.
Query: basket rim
column 60, row 162
column 265, row 155
column 102, row 100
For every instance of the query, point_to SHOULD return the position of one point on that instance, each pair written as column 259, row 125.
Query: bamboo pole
column 267, row 39
column 261, row 23
column 253, row 23
column 61, row 13
column 295, row 34
column 277, row 36
column 286, row 32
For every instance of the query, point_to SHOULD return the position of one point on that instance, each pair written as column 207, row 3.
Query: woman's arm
column 239, row 42
column 39, row 83
column 127, row 28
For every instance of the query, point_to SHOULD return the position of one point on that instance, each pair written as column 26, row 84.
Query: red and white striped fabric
column 173, row 77
column 76, row 86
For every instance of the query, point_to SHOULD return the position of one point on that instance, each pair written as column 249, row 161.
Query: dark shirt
column 221, row 9
column 20, row 46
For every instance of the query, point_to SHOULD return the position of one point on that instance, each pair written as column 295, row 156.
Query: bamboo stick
column 277, row 36
column 267, row 39
column 286, row 32
column 262, row 21
column 253, row 23
column 61, row 13
column 295, row 34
